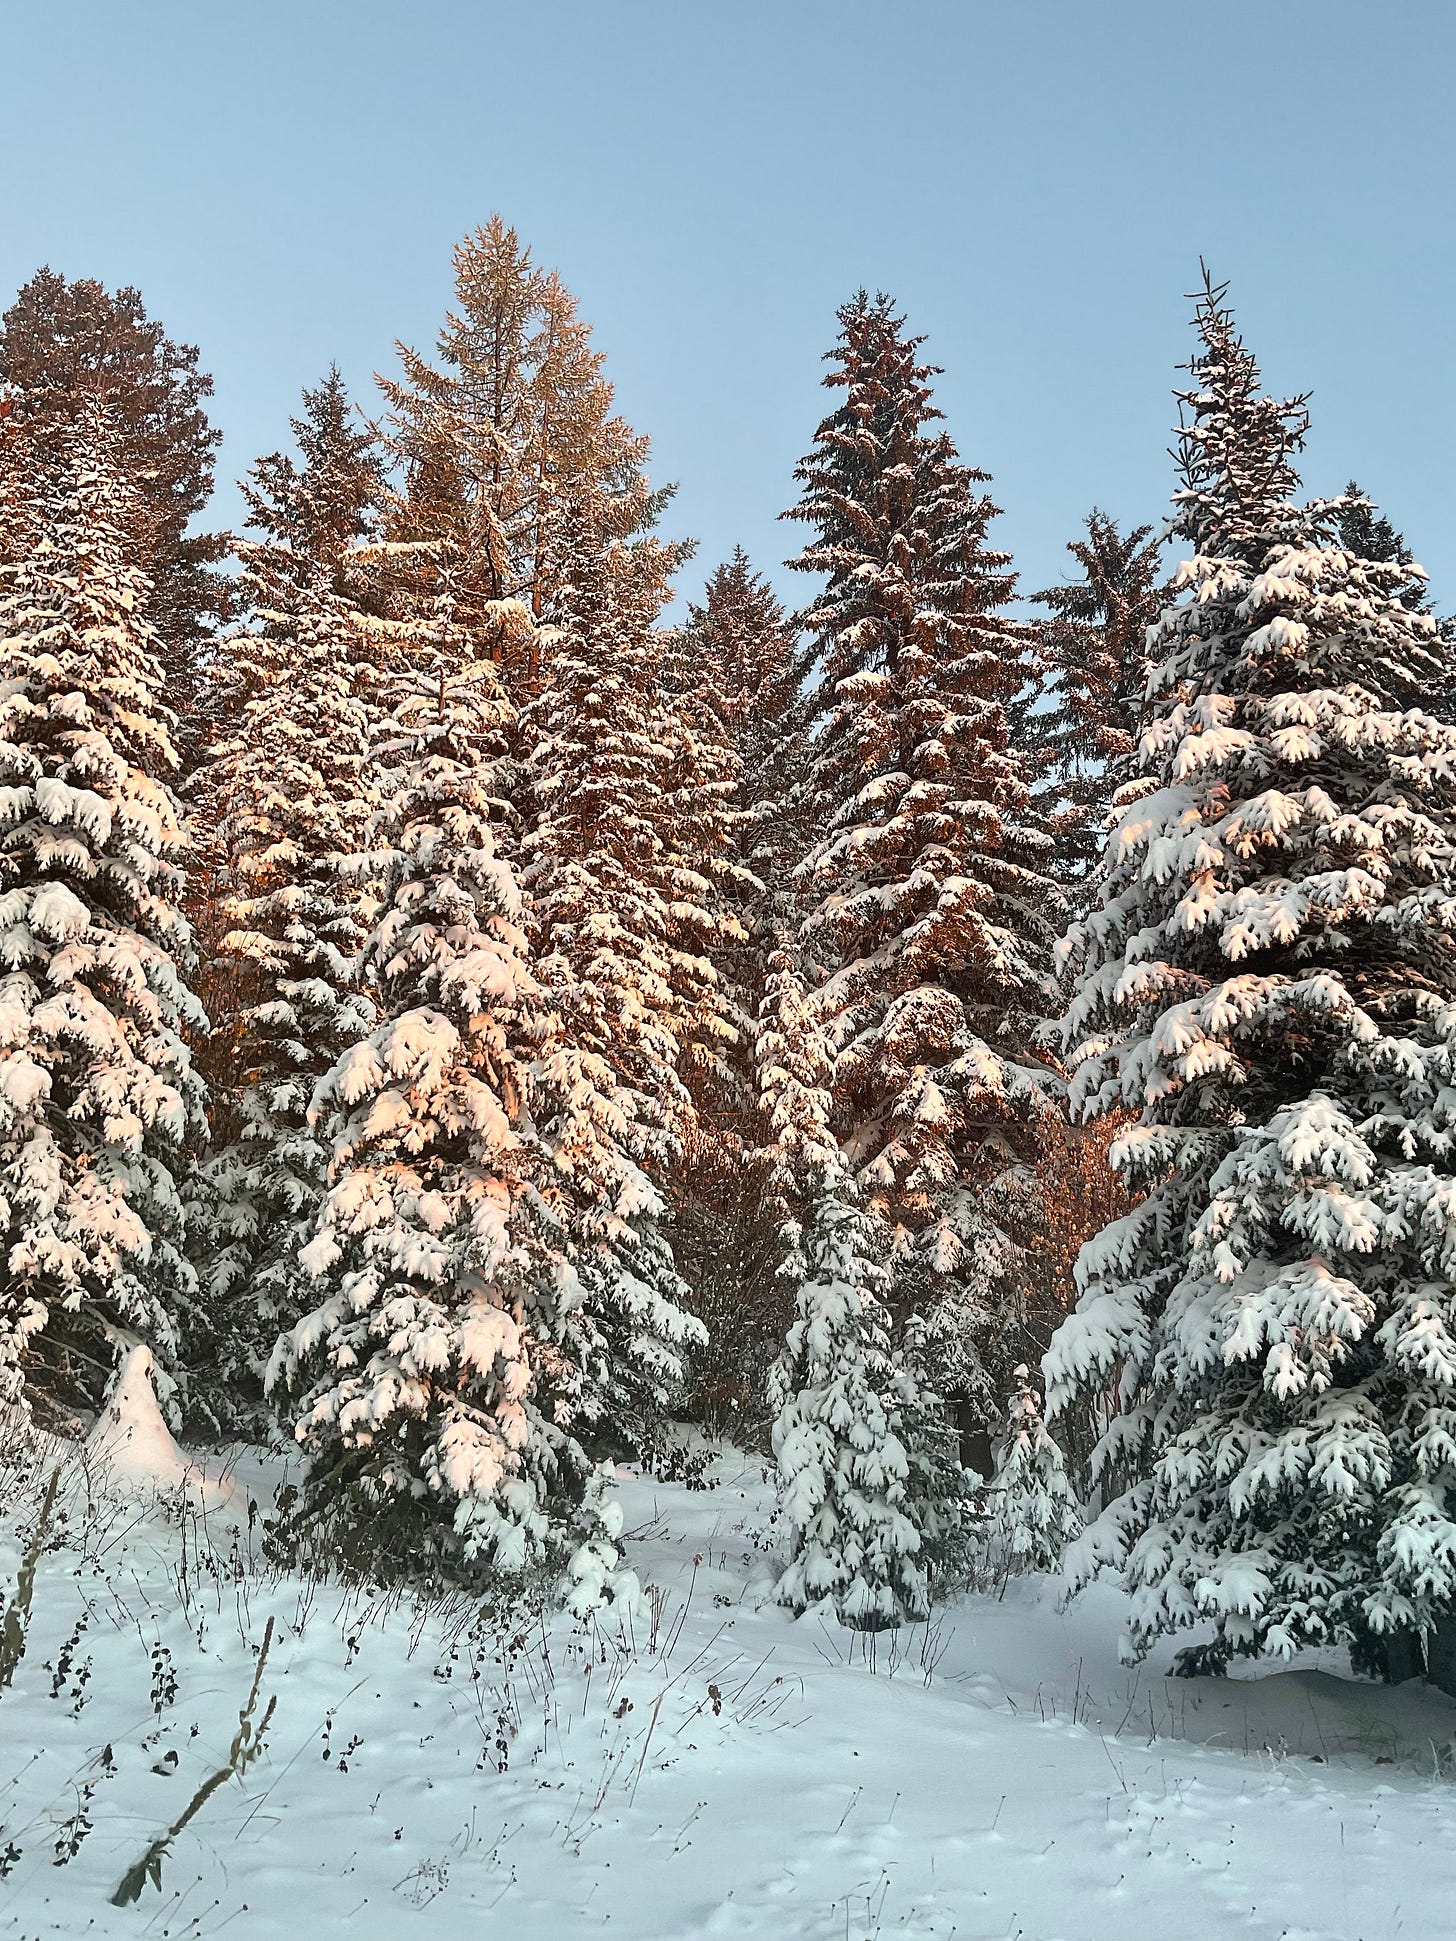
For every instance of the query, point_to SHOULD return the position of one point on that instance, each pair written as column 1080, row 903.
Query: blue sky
column 1034, row 181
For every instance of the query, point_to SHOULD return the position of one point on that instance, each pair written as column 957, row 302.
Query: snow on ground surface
column 721, row 1771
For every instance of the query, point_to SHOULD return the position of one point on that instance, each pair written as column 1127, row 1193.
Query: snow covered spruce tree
column 1034, row 1513
column 930, row 915
column 736, row 677
column 1091, row 655
column 845, row 1480
column 598, row 877
column 745, row 672
column 431, row 1394
column 1268, row 981
column 99, row 1102
column 298, row 688
column 1363, row 529
column 63, row 342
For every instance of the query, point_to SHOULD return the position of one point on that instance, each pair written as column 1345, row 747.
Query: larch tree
column 930, row 915
column 1267, row 983
column 62, row 342
column 287, row 795
column 430, row 1387
column 505, row 433
column 1092, row 667
column 100, row 1107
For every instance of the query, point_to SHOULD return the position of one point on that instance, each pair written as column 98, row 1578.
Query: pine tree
column 844, row 1472
column 99, row 1103
column 286, row 790
column 1092, row 655
column 1034, row 1511
column 433, row 1393
column 599, row 879
column 1266, row 982
column 931, row 916
column 64, row 342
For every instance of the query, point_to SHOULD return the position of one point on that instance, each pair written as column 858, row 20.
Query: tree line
column 459, row 1020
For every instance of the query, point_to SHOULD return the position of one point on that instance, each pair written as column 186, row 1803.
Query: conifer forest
column 630, row 1201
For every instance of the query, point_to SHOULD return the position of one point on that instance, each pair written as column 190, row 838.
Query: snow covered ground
column 719, row 1771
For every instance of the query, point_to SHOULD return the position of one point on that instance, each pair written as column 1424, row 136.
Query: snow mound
column 130, row 1443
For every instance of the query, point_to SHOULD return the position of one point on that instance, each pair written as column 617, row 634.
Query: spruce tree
column 845, row 1474
column 1266, row 982
column 99, row 1104
column 745, row 674
column 599, row 878
column 431, row 1393
column 1034, row 1514
column 1364, row 531
column 286, row 791
column 736, row 684
column 931, row 915
column 320, row 508
column 64, row 342
column 1092, row 670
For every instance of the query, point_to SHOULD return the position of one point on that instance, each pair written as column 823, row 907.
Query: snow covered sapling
column 1267, row 981
column 432, row 1392
column 1034, row 1513
column 844, row 1471
column 99, row 1101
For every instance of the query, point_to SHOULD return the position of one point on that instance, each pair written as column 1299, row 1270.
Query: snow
column 701, row 1767
column 131, row 1449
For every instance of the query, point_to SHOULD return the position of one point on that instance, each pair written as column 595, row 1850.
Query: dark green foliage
column 1091, row 656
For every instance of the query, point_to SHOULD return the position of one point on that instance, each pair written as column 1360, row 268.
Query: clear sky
column 1033, row 180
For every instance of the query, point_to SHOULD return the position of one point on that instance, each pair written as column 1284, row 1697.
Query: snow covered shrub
column 1267, row 982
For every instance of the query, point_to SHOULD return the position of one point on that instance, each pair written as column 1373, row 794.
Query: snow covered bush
column 1267, row 981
